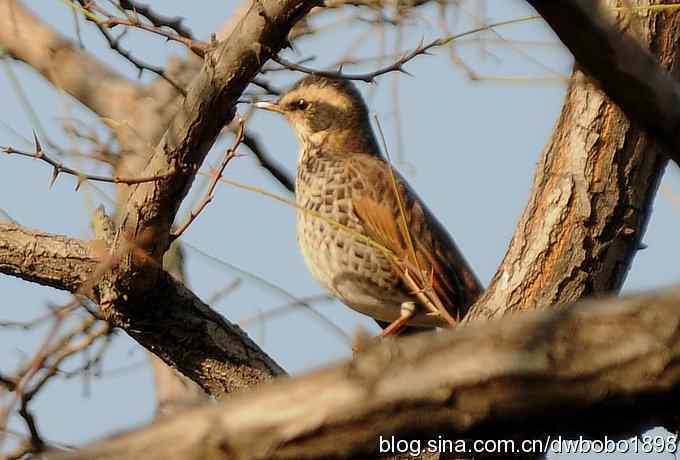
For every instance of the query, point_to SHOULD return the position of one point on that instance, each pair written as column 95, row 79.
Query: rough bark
column 174, row 391
column 42, row 258
column 207, row 108
column 628, row 73
column 592, row 194
column 607, row 367
column 168, row 320
column 136, row 294
column 147, row 217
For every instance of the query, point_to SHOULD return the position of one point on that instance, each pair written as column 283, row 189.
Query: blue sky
column 468, row 148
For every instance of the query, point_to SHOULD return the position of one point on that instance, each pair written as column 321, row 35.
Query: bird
column 363, row 232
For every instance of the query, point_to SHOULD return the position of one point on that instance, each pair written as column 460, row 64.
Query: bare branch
column 227, row 71
column 168, row 320
column 155, row 18
column 591, row 199
column 614, row 360
column 114, row 43
column 51, row 260
column 398, row 65
column 214, row 180
column 36, row 440
column 64, row 64
column 628, row 73
column 58, row 168
column 268, row 163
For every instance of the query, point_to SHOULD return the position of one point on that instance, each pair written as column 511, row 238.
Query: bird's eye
column 301, row 104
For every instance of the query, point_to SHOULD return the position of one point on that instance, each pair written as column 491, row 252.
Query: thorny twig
column 23, row 378
column 398, row 65
column 216, row 175
column 88, row 6
column 112, row 22
column 48, row 359
column 58, row 168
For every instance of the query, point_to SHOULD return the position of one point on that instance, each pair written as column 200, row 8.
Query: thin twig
column 114, row 44
column 285, row 308
column 28, row 325
column 265, row 85
column 112, row 22
column 398, row 65
column 223, row 291
column 420, row 286
column 216, row 176
column 58, row 168
column 37, row 443
column 157, row 19
column 33, row 367
column 323, row 319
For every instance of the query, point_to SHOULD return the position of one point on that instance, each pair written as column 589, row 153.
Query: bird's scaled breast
column 327, row 230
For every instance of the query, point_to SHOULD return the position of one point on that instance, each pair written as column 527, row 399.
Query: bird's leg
column 408, row 311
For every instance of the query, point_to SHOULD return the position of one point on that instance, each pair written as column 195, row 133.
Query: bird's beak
column 271, row 106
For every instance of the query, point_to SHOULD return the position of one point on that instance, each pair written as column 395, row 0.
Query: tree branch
column 628, row 73
column 51, row 260
column 169, row 320
column 135, row 294
column 591, row 199
column 69, row 68
column 593, row 361
column 208, row 107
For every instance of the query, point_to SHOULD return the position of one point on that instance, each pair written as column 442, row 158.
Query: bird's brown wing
column 424, row 255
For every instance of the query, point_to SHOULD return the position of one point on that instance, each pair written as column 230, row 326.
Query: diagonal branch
column 158, row 20
column 591, row 199
column 208, row 107
column 135, row 294
column 628, row 73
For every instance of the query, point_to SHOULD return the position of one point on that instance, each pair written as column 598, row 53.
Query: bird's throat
column 336, row 141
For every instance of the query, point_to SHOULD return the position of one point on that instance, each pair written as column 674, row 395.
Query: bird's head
column 326, row 112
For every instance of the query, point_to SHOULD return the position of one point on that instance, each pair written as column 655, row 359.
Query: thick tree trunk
column 592, row 194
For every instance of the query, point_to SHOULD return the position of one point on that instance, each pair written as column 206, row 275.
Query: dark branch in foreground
column 174, row 23
column 608, row 367
column 629, row 75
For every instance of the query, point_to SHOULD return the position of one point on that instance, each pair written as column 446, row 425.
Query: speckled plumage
column 342, row 178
